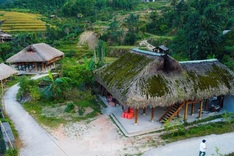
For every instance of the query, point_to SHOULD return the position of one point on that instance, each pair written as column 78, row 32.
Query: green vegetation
column 60, row 98
column 178, row 131
column 11, row 152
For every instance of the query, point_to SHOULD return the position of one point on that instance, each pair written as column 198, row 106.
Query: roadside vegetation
column 62, row 98
column 213, row 125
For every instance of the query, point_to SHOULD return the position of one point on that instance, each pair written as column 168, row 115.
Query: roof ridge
column 198, row 61
column 146, row 52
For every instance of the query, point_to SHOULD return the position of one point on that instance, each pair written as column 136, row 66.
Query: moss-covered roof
column 140, row 79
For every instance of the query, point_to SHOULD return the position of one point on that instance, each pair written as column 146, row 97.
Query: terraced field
column 20, row 22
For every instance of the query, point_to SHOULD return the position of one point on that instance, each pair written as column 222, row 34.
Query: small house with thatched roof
column 36, row 57
column 6, row 71
column 141, row 79
column 5, row 37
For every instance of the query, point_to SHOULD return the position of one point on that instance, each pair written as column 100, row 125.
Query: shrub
column 28, row 87
column 69, row 107
column 11, row 152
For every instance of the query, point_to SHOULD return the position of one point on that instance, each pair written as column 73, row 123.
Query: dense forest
column 193, row 29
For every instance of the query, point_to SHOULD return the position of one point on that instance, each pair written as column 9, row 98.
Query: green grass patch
column 36, row 110
column 198, row 130
column 21, row 10
column 152, row 5
column 122, row 47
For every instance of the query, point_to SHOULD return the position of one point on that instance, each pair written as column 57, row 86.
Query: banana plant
column 56, row 87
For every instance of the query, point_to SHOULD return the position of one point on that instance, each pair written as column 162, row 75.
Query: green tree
column 101, row 51
column 115, row 33
column 203, row 31
column 80, row 73
column 132, row 24
column 75, row 7
column 4, row 50
column 225, row 52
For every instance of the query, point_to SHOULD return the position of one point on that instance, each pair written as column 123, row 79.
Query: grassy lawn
column 71, row 49
column 21, row 22
column 53, row 114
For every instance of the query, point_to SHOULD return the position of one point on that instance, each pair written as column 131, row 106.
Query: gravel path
column 36, row 140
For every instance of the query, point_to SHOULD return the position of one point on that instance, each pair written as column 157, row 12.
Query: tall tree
column 101, row 50
column 115, row 33
column 132, row 24
column 204, row 28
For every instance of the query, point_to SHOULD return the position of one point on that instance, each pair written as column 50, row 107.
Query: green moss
column 212, row 79
column 225, row 77
column 157, row 86
column 123, row 71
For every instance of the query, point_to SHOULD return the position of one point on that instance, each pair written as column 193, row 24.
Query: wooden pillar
column 105, row 91
column 200, row 112
column 207, row 104
column 221, row 97
column 122, row 108
column 3, row 106
column 152, row 114
column 24, row 67
column 192, row 109
column 43, row 66
column 144, row 110
column 136, row 116
column 186, row 110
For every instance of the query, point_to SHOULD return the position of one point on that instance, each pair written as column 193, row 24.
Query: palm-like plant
column 56, row 86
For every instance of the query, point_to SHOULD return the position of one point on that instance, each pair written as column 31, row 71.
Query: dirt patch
column 100, row 136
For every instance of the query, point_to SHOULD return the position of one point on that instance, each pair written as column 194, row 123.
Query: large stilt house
column 36, row 57
column 142, row 79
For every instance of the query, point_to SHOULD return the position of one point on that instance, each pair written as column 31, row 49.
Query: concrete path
column 36, row 141
column 190, row 147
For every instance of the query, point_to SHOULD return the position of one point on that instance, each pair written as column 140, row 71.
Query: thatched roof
column 6, row 71
column 142, row 79
column 39, row 52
